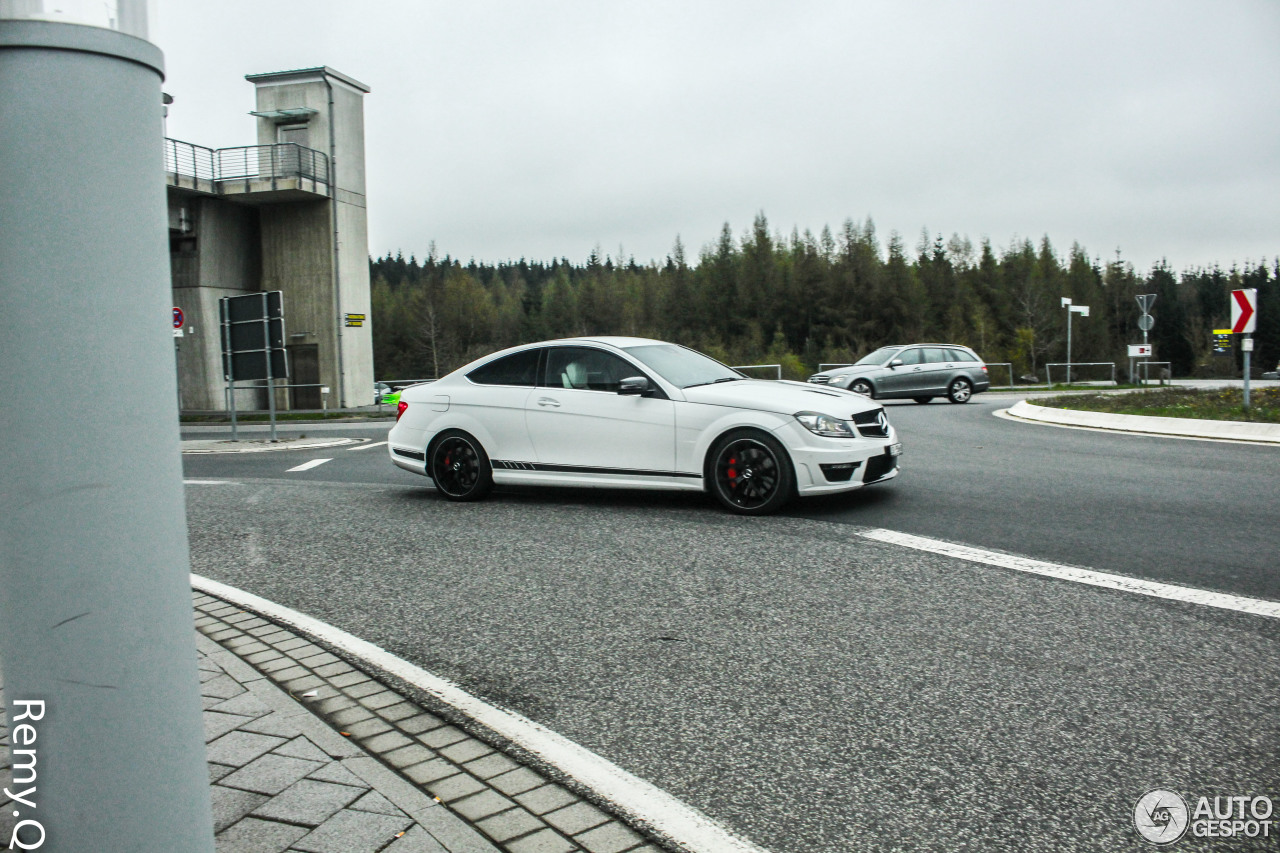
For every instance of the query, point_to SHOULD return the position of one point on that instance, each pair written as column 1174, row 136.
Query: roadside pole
column 96, row 633
column 1244, row 320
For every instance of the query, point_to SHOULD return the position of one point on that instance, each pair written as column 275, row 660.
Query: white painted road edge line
column 1154, row 589
column 366, row 446
column 686, row 826
column 307, row 466
column 209, row 483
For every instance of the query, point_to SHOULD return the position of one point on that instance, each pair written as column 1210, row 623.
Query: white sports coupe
column 635, row 413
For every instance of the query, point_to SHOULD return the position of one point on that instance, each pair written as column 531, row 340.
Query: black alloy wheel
column 922, row 400
column 751, row 474
column 960, row 390
column 460, row 467
column 862, row 386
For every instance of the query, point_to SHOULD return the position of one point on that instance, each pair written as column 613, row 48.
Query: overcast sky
column 501, row 130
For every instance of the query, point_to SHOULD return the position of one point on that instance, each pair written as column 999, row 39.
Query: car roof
column 610, row 340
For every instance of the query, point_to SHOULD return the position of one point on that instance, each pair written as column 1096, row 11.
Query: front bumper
column 831, row 465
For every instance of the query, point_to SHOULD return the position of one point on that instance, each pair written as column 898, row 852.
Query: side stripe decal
column 504, row 465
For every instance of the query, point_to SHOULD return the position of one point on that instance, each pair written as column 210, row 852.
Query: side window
column 586, row 369
column 911, row 356
column 519, row 368
column 961, row 355
column 937, row 355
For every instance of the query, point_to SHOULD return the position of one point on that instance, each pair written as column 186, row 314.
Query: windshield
column 682, row 367
column 880, row 356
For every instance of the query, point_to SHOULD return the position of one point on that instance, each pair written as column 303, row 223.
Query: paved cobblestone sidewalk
column 309, row 754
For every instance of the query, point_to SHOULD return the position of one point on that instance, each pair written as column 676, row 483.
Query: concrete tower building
column 286, row 214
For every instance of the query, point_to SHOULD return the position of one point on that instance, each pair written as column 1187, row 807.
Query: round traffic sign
column 1145, row 322
column 178, row 318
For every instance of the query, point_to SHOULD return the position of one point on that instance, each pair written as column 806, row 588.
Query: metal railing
column 822, row 367
column 1048, row 368
column 249, row 163
column 190, row 161
column 271, row 162
column 777, row 367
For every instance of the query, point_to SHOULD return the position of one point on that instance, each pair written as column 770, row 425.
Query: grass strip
column 1212, row 404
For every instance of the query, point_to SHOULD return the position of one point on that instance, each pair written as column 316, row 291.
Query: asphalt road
column 813, row 689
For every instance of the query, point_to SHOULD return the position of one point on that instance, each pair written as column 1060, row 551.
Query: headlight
column 825, row 425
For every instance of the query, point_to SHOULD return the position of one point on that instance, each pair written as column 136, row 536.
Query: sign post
column 1083, row 311
column 253, row 345
column 1244, row 319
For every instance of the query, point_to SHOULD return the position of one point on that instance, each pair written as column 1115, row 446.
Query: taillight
column 400, row 407
column 984, row 368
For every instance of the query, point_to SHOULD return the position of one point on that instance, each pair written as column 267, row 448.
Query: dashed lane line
column 307, row 466
column 366, row 446
column 1153, row 589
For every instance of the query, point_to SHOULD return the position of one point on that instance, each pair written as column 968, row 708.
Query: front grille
column 819, row 379
column 872, row 424
column 879, row 467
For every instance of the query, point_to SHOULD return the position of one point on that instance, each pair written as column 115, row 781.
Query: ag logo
column 1160, row 816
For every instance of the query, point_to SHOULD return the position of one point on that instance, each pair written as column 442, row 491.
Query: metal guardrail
column 822, row 367
column 1002, row 364
column 1048, row 368
column 778, row 367
column 1146, row 370
column 248, row 163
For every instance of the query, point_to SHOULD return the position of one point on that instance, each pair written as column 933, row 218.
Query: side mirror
column 634, row 385
column 897, row 362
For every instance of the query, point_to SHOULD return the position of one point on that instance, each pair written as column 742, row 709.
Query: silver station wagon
column 917, row 372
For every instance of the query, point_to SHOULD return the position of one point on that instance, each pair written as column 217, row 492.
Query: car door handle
column 916, row 369
column 547, row 401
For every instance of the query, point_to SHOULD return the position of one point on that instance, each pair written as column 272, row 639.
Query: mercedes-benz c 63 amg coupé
column 612, row 412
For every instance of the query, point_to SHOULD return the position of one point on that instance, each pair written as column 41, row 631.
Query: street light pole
column 96, row 632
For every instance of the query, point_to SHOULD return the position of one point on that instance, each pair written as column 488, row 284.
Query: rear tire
column 750, row 473
column 960, row 390
column 458, row 465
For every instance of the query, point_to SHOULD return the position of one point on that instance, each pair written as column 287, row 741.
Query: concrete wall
column 227, row 261
column 297, row 259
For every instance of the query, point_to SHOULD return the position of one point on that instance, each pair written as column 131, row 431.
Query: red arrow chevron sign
column 1244, row 304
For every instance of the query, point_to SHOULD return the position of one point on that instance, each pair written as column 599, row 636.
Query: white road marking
column 690, row 828
column 1154, row 589
column 307, row 466
column 210, row 483
column 366, row 446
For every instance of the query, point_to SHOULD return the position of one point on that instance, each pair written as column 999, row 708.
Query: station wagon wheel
column 960, row 390
column 862, row 386
column 922, row 400
column 460, row 467
column 750, row 473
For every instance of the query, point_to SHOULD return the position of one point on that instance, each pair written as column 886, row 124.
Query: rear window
column 519, row 368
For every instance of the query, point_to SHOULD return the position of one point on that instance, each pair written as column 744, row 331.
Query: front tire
column 922, row 400
column 960, row 391
column 863, row 387
column 459, row 466
column 750, row 473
